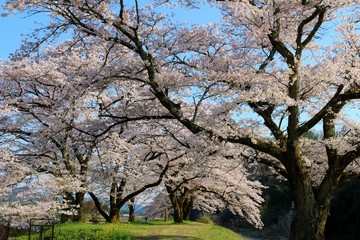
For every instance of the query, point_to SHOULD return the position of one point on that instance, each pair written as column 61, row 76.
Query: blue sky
column 14, row 27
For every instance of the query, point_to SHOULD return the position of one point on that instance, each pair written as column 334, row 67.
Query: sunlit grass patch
column 151, row 230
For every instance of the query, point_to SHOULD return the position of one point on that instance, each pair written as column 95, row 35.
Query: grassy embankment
column 152, row 230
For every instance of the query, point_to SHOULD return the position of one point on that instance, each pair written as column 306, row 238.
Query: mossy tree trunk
column 182, row 203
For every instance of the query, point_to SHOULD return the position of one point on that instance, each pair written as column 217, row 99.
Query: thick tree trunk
column 178, row 213
column 182, row 204
column 131, row 213
column 187, row 207
column 79, row 201
column 132, row 210
column 309, row 220
column 114, row 215
column 177, row 206
column 311, row 210
column 5, row 230
column 114, row 212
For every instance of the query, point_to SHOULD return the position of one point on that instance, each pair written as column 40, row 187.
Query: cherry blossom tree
column 27, row 194
column 201, row 174
column 215, row 189
column 61, row 130
column 123, row 173
column 262, row 79
column 211, row 178
column 42, row 107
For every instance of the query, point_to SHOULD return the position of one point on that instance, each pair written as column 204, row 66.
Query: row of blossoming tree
column 134, row 99
column 67, row 138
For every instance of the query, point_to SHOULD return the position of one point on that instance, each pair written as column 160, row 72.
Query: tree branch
column 150, row 185
column 321, row 114
column 301, row 44
column 98, row 206
column 266, row 115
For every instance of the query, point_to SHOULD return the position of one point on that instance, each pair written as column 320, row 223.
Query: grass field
column 128, row 231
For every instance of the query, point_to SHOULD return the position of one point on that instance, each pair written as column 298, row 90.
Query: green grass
column 152, row 231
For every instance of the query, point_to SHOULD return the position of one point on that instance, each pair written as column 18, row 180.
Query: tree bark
column 132, row 210
column 178, row 213
column 310, row 215
column 79, row 201
column 188, row 205
column 311, row 205
column 177, row 206
column 182, row 202
column 114, row 215
column 303, row 226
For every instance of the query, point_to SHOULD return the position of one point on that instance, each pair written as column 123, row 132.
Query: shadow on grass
column 163, row 237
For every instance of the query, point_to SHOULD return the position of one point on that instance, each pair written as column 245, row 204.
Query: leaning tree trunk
column 113, row 215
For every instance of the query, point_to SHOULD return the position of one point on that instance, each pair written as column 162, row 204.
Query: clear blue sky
column 13, row 26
